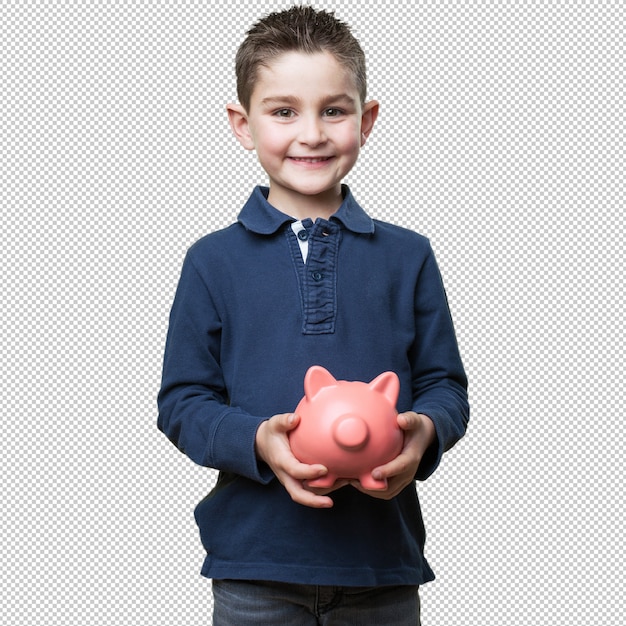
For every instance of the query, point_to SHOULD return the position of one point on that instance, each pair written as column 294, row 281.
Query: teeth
column 313, row 160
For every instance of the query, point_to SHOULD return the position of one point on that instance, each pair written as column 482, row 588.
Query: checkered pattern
column 501, row 137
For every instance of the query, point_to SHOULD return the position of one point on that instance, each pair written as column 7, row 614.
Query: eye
column 284, row 113
column 333, row 112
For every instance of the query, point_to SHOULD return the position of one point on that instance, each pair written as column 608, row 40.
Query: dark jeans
column 259, row 603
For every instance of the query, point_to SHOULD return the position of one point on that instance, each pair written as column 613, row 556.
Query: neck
column 302, row 206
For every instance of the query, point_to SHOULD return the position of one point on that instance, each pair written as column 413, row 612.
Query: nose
column 350, row 432
column 312, row 131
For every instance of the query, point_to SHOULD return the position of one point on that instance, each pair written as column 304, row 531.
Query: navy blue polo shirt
column 250, row 316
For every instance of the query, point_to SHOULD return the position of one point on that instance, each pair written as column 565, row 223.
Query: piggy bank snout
column 350, row 432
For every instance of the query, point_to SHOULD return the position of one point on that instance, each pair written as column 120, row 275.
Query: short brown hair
column 302, row 29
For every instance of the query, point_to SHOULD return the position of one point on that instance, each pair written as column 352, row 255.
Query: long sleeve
column 439, row 380
column 194, row 409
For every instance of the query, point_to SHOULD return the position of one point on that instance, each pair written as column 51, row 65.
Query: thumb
column 288, row 421
column 408, row 421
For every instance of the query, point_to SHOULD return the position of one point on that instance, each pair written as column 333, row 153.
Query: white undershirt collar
column 303, row 239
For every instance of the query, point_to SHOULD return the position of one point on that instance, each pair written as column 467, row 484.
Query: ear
column 368, row 117
column 315, row 379
column 388, row 384
column 238, row 119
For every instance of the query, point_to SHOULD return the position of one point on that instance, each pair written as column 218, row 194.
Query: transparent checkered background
column 501, row 137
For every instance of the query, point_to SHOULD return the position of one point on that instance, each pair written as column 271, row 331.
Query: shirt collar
column 259, row 216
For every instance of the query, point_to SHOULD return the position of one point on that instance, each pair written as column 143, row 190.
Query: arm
column 440, row 410
column 194, row 410
column 439, row 379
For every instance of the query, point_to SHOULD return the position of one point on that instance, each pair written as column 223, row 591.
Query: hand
column 272, row 445
column 419, row 435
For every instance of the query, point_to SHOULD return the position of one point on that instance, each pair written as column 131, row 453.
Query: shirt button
column 317, row 276
column 303, row 235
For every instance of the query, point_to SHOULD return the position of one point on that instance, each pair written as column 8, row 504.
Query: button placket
column 319, row 295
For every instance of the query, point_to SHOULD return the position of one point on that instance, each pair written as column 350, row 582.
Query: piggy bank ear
column 315, row 379
column 388, row 384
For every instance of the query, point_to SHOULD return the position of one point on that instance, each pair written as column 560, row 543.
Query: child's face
column 307, row 125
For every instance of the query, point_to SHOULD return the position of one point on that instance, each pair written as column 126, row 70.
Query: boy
column 306, row 277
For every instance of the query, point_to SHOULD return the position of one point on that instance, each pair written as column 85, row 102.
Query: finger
column 287, row 422
column 408, row 421
column 303, row 471
column 394, row 486
column 307, row 498
column 402, row 463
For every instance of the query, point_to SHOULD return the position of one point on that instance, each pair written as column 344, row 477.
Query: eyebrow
column 293, row 100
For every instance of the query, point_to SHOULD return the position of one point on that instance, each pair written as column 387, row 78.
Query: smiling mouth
column 310, row 159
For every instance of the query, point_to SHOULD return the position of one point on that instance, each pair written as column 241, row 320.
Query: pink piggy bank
column 350, row 427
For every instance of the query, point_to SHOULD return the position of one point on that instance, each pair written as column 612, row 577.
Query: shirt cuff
column 232, row 447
